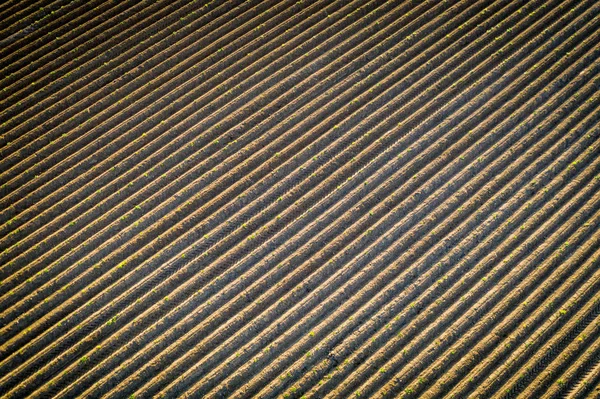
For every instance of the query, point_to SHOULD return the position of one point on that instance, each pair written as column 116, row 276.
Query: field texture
column 300, row 199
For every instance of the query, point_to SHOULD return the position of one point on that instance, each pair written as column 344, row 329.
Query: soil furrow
column 291, row 198
column 72, row 113
column 458, row 252
column 15, row 21
column 437, row 232
column 44, row 39
column 573, row 379
column 391, row 366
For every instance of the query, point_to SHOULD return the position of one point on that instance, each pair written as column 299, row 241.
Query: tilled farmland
column 300, row 199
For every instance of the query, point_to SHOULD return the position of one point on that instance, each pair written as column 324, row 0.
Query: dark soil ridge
column 299, row 199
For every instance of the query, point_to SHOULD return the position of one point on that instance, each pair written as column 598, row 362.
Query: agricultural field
column 300, row 198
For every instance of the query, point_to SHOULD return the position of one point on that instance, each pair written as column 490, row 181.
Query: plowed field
column 300, row 198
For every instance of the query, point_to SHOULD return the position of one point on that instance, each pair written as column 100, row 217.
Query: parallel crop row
column 281, row 198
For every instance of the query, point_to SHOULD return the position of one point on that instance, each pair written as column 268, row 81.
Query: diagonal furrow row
column 586, row 383
column 498, row 312
column 381, row 322
column 494, row 278
column 176, row 297
column 524, row 333
column 537, row 316
column 569, row 338
column 581, row 367
column 109, row 101
column 557, row 343
column 281, row 198
column 16, row 19
column 45, row 38
column 134, row 203
column 436, row 233
column 135, row 80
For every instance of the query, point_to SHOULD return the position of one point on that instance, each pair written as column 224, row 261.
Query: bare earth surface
column 300, row 199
